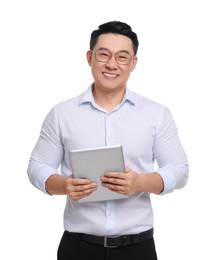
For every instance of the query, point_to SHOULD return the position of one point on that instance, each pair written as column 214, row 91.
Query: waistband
column 119, row 241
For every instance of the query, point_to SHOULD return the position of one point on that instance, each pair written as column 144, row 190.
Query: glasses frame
column 111, row 55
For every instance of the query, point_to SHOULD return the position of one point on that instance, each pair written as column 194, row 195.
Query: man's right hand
column 77, row 188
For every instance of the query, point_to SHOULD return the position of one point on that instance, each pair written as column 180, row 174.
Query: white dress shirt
column 148, row 134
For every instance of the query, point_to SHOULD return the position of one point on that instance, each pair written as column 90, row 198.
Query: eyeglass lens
column 105, row 55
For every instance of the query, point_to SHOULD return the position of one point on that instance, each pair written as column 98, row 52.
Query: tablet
column 93, row 163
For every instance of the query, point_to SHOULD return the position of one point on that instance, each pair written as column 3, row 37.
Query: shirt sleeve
column 47, row 153
column 169, row 154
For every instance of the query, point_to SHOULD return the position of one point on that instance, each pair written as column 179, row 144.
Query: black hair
column 114, row 27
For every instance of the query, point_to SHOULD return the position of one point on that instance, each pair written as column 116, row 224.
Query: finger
column 115, row 181
column 79, row 185
column 83, row 192
column 80, row 192
column 114, row 175
column 78, row 181
column 116, row 188
column 83, row 187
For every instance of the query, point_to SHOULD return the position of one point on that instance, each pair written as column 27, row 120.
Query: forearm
column 150, row 182
column 56, row 185
column 132, row 182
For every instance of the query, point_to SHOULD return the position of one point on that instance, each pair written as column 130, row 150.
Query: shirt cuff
column 169, row 179
column 38, row 173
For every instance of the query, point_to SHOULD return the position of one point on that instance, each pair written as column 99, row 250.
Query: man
column 107, row 114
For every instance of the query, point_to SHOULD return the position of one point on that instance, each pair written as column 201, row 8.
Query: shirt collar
column 87, row 96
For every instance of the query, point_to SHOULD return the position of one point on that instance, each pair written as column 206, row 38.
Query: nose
column 112, row 63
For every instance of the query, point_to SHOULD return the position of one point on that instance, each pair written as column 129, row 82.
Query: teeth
column 110, row 75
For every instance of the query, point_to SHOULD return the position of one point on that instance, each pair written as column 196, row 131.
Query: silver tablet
column 93, row 163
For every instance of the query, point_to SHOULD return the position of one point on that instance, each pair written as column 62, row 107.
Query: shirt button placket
column 108, row 130
column 109, row 204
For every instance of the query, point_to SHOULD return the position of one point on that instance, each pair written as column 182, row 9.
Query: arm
column 170, row 154
column 131, row 182
column 56, row 184
column 47, row 153
column 172, row 172
column 73, row 187
column 45, row 159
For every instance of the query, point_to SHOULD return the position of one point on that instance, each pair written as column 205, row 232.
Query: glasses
column 104, row 55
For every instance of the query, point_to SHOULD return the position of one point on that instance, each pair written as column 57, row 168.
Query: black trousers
column 72, row 248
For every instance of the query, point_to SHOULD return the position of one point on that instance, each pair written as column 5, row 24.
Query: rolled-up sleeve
column 47, row 153
column 169, row 154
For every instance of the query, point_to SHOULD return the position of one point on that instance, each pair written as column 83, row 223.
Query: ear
column 133, row 63
column 89, row 57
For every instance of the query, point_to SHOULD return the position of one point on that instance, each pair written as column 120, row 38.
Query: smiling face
column 110, row 76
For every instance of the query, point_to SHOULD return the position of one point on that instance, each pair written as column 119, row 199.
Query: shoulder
column 68, row 105
column 148, row 108
column 74, row 102
column 143, row 102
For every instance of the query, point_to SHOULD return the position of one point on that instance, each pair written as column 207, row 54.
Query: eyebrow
column 106, row 49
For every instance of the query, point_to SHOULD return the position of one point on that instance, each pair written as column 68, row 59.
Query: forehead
column 114, row 42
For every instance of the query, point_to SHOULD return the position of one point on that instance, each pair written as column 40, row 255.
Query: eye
column 123, row 56
column 103, row 54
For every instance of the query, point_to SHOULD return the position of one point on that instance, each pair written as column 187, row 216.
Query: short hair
column 115, row 27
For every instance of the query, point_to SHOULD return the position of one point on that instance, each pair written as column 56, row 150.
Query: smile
column 110, row 75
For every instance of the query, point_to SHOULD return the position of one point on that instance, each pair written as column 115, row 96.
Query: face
column 110, row 75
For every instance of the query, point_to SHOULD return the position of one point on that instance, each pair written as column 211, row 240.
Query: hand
column 77, row 188
column 121, row 182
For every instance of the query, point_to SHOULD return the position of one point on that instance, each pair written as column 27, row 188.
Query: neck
column 109, row 99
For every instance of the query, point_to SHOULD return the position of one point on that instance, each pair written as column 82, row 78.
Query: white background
column 42, row 62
